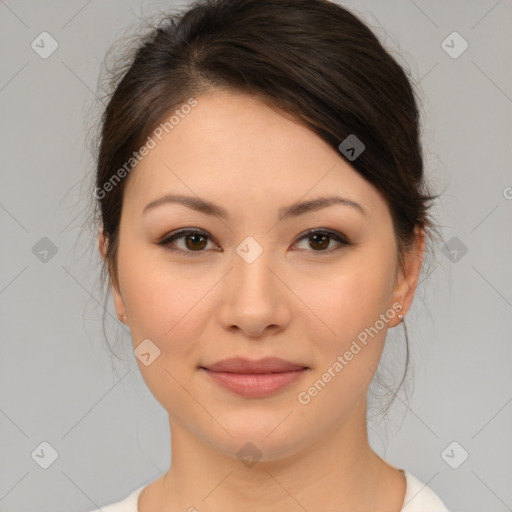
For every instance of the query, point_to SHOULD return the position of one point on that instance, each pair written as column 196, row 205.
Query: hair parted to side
column 313, row 60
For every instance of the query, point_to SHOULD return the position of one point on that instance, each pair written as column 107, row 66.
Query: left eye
column 319, row 239
column 195, row 241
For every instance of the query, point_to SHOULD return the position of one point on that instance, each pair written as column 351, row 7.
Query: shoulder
column 419, row 497
column 127, row 504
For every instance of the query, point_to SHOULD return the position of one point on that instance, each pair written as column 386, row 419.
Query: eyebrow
column 293, row 210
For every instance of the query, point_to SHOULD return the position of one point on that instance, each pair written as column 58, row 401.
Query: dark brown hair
column 311, row 59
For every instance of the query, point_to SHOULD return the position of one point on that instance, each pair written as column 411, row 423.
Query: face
column 251, row 282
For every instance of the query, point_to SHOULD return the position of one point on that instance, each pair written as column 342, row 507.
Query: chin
column 251, row 448
column 267, row 431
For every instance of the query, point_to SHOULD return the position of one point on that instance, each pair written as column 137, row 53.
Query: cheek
column 350, row 298
column 349, row 301
column 164, row 302
column 347, row 359
column 166, row 308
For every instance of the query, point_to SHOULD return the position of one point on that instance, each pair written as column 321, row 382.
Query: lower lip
column 255, row 385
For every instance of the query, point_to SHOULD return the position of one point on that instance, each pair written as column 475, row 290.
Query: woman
column 263, row 223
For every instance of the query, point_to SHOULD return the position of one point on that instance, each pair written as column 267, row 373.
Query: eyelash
column 343, row 241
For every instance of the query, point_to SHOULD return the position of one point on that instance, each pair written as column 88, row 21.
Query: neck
column 339, row 472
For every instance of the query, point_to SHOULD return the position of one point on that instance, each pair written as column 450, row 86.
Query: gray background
column 58, row 382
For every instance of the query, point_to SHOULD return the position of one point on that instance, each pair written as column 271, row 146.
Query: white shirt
column 418, row 498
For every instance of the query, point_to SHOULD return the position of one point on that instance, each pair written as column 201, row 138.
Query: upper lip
column 265, row 365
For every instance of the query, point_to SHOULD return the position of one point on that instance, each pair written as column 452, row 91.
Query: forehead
column 233, row 145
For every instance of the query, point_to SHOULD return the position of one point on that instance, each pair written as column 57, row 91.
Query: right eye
column 194, row 241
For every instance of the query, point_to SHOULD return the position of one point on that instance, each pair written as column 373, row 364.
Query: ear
column 114, row 288
column 409, row 272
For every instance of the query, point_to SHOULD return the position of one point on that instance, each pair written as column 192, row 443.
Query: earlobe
column 116, row 295
column 409, row 272
column 118, row 303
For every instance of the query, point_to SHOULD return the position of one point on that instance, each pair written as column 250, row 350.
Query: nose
column 254, row 298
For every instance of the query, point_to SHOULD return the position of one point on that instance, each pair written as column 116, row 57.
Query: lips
column 255, row 379
column 265, row 365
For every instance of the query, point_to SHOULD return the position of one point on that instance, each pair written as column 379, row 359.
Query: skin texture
column 292, row 302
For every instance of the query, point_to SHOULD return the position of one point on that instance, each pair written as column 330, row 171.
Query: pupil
column 324, row 237
column 194, row 244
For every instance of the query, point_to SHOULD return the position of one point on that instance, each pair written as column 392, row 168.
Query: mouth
column 255, row 379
